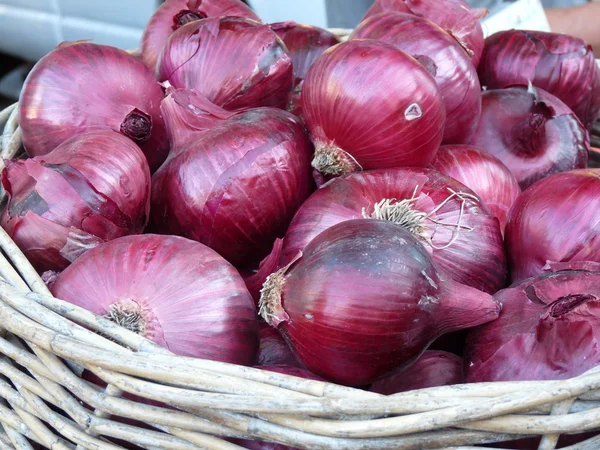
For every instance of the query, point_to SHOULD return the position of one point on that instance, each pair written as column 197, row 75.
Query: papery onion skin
column 92, row 188
column 485, row 174
column 560, row 64
column 547, row 330
column 365, row 298
column 237, row 188
column 532, row 132
column 433, row 368
column 273, row 351
column 439, row 52
column 369, row 105
column 165, row 20
column 476, row 258
column 194, row 303
column 555, row 220
column 234, row 62
column 81, row 87
column 455, row 16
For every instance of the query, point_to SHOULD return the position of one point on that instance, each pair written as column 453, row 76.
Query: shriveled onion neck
column 270, row 307
column 186, row 16
column 329, row 159
column 130, row 315
column 568, row 303
column 137, row 126
column 529, row 135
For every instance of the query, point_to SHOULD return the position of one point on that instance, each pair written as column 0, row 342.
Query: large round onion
column 178, row 293
column 532, row 132
column 463, row 238
column 237, row 187
column 83, row 87
column 234, row 62
column 441, row 55
column 555, row 220
column 560, row 64
column 454, row 16
column 369, row 105
column 173, row 14
column 364, row 298
column 485, row 174
column 92, row 188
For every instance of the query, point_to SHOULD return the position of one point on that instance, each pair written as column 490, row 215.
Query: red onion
column 237, row 188
column 273, row 350
column 178, row 293
column 173, row 14
column 92, row 188
column 532, row 132
column 433, row 368
column 441, row 55
column 454, row 16
column 369, row 105
column 234, row 62
column 363, row 298
column 560, row 64
column 83, row 87
column 555, row 220
column 463, row 238
column 548, row 330
column 485, row 174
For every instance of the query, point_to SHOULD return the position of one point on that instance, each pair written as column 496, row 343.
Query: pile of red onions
column 92, row 188
column 234, row 62
column 369, row 105
column 555, row 220
column 562, row 65
column 454, row 16
column 363, row 298
column 175, row 292
column 237, row 188
column 483, row 173
column 441, row 55
column 173, row 14
column 463, row 238
column 532, row 132
column 81, row 87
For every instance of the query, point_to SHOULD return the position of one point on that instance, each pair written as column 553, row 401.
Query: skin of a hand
column 579, row 21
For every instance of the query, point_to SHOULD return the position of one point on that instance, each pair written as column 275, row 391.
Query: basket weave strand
column 45, row 344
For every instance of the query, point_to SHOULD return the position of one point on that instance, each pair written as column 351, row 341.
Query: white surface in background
column 311, row 12
column 521, row 15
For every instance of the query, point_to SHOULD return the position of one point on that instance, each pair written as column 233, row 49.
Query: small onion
column 273, row 350
column 178, row 293
column 363, row 298
column 173, row 14
column 560, row 64
column 555, row 220
column 237, row 188
column 532, row 132
column 463, row 238
column 548, row 330
column 485, row 174
column 455, row 16
column 235, row 63
column 369, row 105
column 92, row 188
column 441, row 55
column 433, row 368
column 82, row 87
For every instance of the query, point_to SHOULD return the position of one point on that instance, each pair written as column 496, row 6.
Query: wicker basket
column 45, row 343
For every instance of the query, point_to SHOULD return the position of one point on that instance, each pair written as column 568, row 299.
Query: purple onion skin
column 385, row 111
column 476, row 258
column 560, row 64
column 433, row 368
column 365, row 298
column 235, row 63
column 237, row 188
column 173, row 14
column 81, row 87
column 485, row 174
column 273, row 350
column 532, row 132
column 454, row 16
column 195, row 302
column 439, row 52
column 548, row 330
column 555, row 220
column 92, row 188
